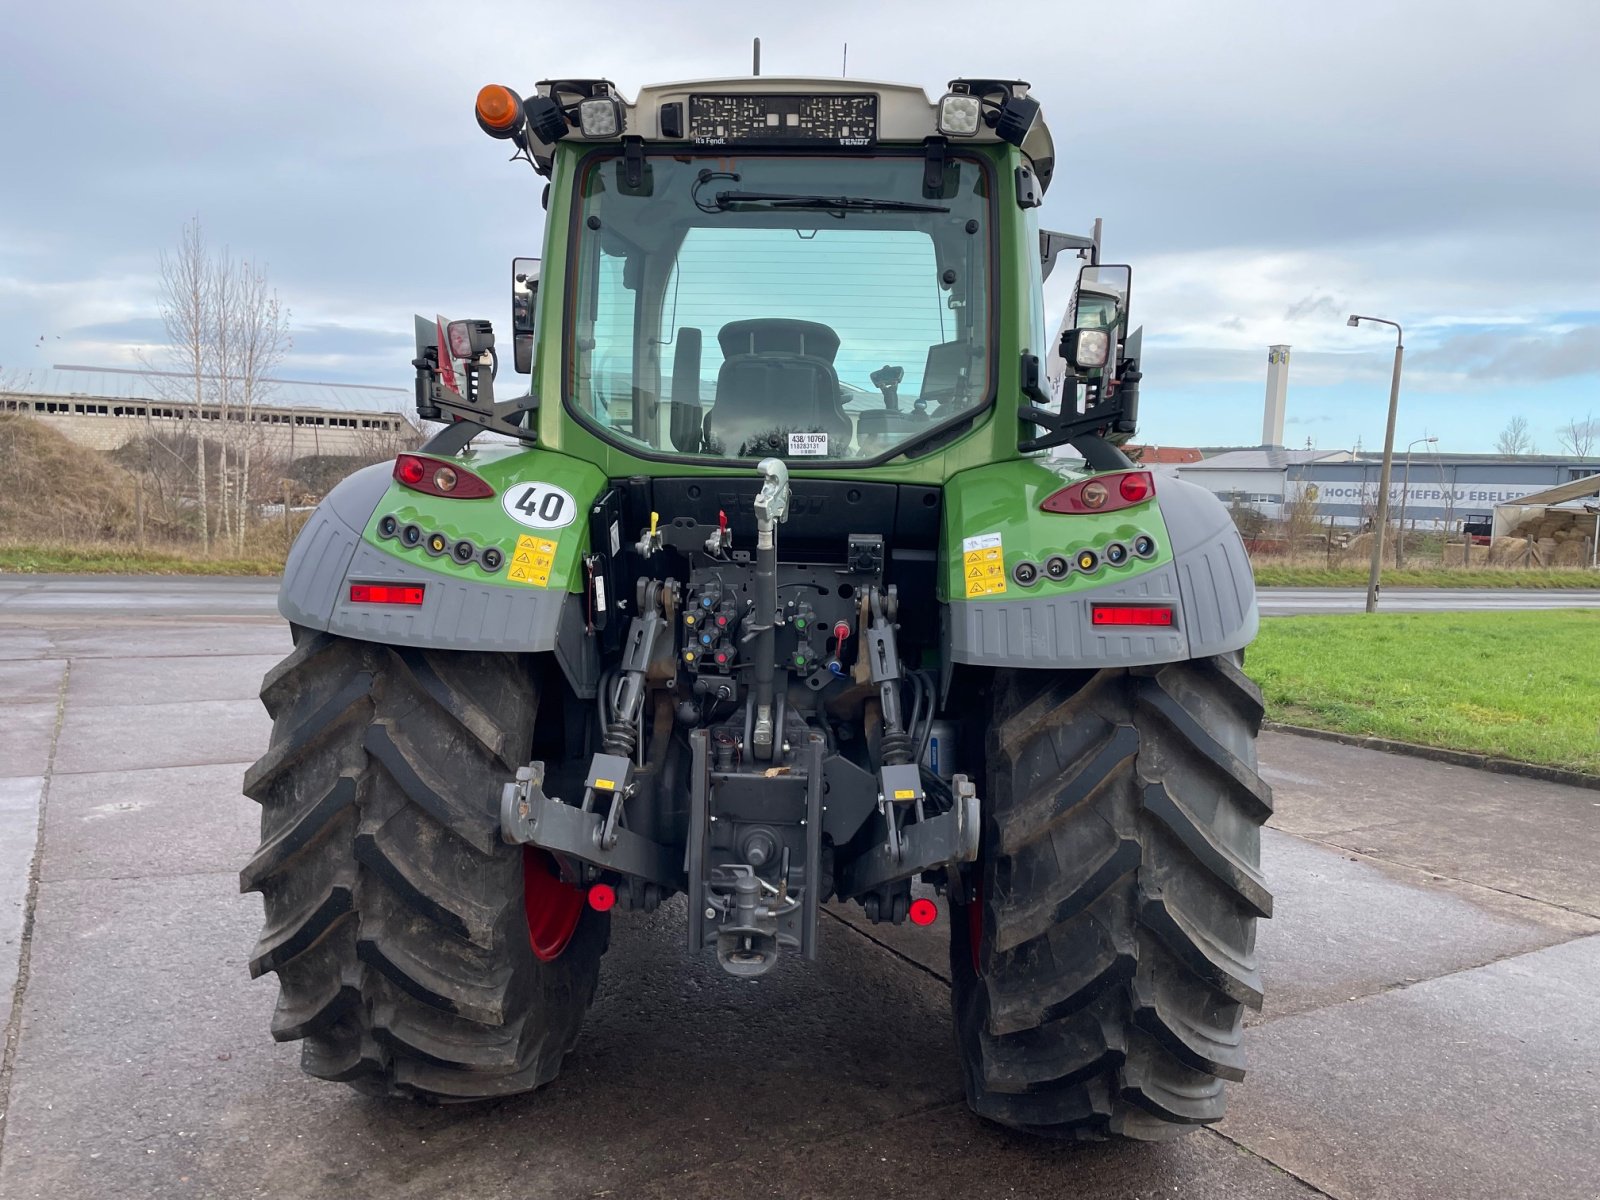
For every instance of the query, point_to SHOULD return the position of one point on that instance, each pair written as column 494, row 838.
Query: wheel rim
column 552, row 906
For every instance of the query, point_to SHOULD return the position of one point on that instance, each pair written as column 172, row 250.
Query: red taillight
column 385, row 593
column 923, row 911
column 436, row 478
column 602, row 897
column 1129, row 614
column 1103, row 493
column 1136, row 487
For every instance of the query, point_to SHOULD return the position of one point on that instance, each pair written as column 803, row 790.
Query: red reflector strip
column 1132, row 614
column 385, row 593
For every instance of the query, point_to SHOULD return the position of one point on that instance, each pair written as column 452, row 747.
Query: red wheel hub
column 552, row 906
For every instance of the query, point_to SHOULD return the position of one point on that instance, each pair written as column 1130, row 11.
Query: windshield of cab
column 805, row 306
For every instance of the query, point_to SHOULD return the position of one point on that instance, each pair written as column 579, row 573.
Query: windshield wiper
column 839, row 204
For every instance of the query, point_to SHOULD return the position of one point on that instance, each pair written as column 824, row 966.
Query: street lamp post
column 1405, row 494
column 1388, row 460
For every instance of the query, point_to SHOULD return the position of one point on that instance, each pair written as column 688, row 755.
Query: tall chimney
column 1277, row 393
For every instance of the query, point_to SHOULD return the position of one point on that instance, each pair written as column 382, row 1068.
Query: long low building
column 1436, row 491
column 106, row 408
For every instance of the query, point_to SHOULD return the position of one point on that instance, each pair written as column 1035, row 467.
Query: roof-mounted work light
column 959, row 115
column 600, row 117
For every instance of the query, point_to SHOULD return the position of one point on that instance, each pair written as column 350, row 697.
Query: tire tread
column 394, row 914
column 1122, row 883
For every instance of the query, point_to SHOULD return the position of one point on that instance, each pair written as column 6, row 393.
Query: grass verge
column 1520, row 685
column 121, row 560
column 1273, row 575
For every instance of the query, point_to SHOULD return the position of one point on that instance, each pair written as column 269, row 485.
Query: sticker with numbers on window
column 814, row 445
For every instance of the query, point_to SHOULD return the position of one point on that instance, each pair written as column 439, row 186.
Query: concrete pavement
column 1430, row 1029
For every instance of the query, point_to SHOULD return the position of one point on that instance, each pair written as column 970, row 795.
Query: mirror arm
column 466, row 425
column 1099, row 454
column 1116, row 415
column 1059, row 429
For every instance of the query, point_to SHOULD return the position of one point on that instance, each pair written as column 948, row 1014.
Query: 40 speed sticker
column 539, row 505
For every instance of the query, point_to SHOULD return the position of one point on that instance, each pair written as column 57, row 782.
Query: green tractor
column 769, row 594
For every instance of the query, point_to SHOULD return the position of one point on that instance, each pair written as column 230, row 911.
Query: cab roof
column 772, row 110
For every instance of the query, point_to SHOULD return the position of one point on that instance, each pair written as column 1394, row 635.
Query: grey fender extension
column 1209, row 580
column 455, row 614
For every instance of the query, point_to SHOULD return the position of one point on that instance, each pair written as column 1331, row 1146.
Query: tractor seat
column 778, row 335
column 776, row 378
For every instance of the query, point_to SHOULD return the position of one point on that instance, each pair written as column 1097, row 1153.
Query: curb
column 1456, row 758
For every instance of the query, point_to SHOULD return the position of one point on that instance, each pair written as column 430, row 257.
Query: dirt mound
column 53, row 488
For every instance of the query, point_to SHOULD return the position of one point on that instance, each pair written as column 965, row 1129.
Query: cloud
column 1325, row 307
column 1495, row 356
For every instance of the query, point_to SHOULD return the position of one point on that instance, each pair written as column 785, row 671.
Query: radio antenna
column 755, row 53
column 844, row 67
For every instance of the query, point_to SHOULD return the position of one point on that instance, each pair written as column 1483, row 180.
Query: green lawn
column 60, row 560
column 1521, row 685
column 1276, row 575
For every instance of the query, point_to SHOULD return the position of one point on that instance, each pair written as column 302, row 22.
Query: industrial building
column 105, row 408
column 1428, row 491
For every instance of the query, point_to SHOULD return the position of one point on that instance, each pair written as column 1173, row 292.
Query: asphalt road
column 167, row 595
column 1430, row 1029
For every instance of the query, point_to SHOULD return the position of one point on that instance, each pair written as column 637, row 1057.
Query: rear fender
column 993, row 524
column 531, row 603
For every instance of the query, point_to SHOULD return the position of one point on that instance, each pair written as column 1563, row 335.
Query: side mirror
column 1098, row 317
column 524, row 305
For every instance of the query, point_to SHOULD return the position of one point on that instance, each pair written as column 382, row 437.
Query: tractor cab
column 835, row 273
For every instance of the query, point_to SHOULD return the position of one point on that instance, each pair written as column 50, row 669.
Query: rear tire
column 394, row 914
column 1117, row 896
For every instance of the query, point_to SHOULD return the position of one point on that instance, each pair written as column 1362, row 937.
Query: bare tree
column 1515, row 438
column 227, row 333
column 260, row 338
column 1301, row 519
column 222, row 355
column 12, row 381
column 1577, row 437
column 186, row 306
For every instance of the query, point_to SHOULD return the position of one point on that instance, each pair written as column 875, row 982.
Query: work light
column 1087, row 349
column 469, row 339
column 600, row 117
column 959, row 115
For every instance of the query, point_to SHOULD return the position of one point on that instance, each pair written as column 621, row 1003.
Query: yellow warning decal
column 983, row 565
column 904, row 794
column 531, row 561
column 609, row 785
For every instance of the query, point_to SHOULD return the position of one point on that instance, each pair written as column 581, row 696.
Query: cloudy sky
column 1267, row 167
